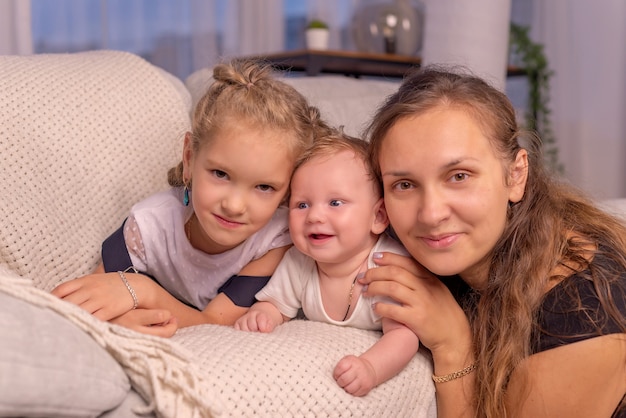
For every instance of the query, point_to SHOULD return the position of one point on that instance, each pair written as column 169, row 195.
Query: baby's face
column 333, row 208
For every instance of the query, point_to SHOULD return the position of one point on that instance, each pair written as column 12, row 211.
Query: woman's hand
column 425, row 305
column 102, row 294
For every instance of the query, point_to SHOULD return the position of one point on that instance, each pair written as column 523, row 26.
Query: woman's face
column 445, row 191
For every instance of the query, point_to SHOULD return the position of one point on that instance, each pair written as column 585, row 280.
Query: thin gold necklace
column 350, row 298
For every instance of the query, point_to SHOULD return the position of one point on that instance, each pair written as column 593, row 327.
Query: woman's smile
column 441, row 241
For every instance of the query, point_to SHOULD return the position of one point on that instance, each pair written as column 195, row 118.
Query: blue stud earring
column 186, row 196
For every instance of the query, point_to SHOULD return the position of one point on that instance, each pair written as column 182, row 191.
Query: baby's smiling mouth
column 319, row 236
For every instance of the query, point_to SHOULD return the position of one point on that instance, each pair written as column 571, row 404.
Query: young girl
column 532, row 322
column 337, row 222
column 198, row 252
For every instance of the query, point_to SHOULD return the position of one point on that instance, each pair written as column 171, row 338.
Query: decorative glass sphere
column 391, row 27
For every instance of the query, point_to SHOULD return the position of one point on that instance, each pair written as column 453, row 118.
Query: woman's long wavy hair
column 549, row 232
column 247, row 92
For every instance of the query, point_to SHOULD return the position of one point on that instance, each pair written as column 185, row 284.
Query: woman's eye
column 403, row 185
column 219, row 174
column 459, row 177
column 265, row 187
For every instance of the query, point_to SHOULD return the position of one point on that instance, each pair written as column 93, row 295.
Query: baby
column 337, row 222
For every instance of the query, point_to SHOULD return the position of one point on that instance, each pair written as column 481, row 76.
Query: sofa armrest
column 83, row 137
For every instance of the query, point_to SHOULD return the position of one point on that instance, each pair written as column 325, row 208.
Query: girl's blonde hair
column 247, row 92
column 551, row 228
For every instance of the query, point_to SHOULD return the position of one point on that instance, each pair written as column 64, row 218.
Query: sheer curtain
column 180, row 36
column 584, row 43
column 15, row 30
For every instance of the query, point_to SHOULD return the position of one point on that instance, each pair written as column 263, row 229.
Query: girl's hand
column 158, row 322
column 102, row 294
column 426, row 306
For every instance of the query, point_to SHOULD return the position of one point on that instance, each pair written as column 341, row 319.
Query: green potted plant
column 530, row 56
column 317, row 34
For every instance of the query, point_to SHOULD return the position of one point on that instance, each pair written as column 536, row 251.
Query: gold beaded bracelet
column 455, row 375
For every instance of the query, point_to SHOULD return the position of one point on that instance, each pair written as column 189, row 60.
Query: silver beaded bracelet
column 130, row 289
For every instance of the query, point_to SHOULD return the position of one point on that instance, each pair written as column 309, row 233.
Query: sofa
column 84, row 136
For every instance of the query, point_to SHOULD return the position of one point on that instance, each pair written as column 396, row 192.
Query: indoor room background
column 582, row 40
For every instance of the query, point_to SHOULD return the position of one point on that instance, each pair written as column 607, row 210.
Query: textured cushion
column 345, row 101
column 289, row 372
column 83, row 137
column 49, row 367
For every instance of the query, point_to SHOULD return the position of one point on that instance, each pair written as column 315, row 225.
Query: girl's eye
column 459, row 177
column 336, row 202
column 219, row 174
column 402, row 185
column 265, row 188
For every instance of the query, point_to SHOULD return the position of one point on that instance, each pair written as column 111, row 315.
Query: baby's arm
column 262, row 317
column 386, row 358
column 222, row 310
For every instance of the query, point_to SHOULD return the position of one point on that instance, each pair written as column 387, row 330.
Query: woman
column 525, row 309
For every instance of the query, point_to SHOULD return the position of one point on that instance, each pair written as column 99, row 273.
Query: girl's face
column 335, row 214
column 446, row 193
column 239, row 179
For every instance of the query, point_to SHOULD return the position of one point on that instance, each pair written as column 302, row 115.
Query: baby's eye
column 220, row 174
column 265, row 188
column 302, row 205
column 336, row 202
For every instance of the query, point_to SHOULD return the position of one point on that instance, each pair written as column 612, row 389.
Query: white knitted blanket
column 211, row 370
column 162, row 371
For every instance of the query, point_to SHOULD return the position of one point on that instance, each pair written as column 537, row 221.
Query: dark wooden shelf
column 350, row 63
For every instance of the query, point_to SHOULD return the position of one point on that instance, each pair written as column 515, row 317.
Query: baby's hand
column 256, row 321
column 355, row 375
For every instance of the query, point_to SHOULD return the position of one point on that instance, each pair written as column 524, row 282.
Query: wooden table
column 350, row 63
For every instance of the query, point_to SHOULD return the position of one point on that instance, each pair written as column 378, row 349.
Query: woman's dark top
column 563, row 319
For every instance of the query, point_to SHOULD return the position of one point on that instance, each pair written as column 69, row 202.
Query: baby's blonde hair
column 332, row 141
